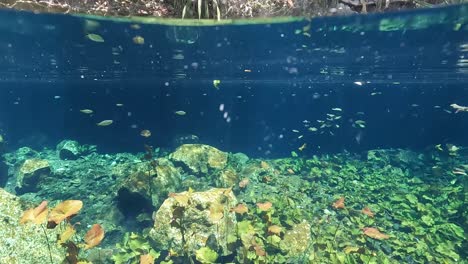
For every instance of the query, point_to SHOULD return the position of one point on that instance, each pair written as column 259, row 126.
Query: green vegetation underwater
column 289, row 140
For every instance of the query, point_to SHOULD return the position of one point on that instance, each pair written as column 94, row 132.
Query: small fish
column 375, row 93
column 414, row 105
column 301, row 148
column 337, row 109
column 105, row 123
column 95, row 37
column 145, row 133
column 247, row 70
column 306, row 121
column 180, row 112
column 313, row 129
column 119, row 105
column 86, row 111
column 295, row 131
column 358, row 83
column 301, row 136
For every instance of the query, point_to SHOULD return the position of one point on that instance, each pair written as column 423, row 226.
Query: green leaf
column 411, row 198
column 206, row 255
column 446, row 249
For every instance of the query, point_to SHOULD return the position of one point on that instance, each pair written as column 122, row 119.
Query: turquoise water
column 325, row 140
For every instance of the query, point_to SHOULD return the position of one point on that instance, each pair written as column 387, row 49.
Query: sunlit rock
column 203, row 217
column 297, row 240
column 146, row 185
column 30, row 172
column 200, row 158
column 24, row 243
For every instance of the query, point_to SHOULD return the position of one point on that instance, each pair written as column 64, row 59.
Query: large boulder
column 200, row 159
column 30, row 173
column 24, row 243
column 146, row 186
column 202, row 217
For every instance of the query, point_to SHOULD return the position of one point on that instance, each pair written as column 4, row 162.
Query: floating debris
column 138, row 40
column 86, row 111
column 105, row 123
column 459, row 108
column 180, row 112
column 95, row 37
column 145, row 133
column 216, row 84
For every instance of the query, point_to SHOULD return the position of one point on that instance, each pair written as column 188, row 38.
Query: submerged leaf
column 94, row 236
column 206, row 255
column 374, row 233
column 339, row 204
column 36, row 215
column 64, row 210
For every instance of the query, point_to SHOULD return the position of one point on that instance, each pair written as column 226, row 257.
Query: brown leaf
column 374, row 233
column 367, row 211
column 146, row 259
column 339, row 204
column 264, row 206
column 94, row 236
column 66, row 235
column 275, row 229
column 36, row 215
column 243, row 183
column 64, row 210
column 240, row 209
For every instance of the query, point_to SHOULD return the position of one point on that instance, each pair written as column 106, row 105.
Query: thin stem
column 48, row 244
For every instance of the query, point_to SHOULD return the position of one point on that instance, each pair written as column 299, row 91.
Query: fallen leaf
column 243, row 183
column 264, row 206
column 374, row 233
column 94, row 236
column 36, row 215
column 240, row 209
column 339, row 204
column 367, row 211
column 66, row 235
column 275, row 229
column 146, row 259
column 64, row 210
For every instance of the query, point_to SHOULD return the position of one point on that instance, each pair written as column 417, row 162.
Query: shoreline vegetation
column 220, row 9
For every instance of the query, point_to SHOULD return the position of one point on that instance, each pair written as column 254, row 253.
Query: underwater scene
column 285, row 140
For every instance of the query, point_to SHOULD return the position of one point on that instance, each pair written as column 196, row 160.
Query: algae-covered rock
column 30, row 172
column 200, row 216
column 296, row 240
column 227, row 178
column 147, row 184
column 72, row 150
column 200, row 158
column 24, row 243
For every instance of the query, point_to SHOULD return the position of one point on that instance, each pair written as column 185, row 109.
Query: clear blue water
column 357, row 108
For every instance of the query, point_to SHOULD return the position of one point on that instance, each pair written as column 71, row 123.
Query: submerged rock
column 200, row 158
column 30, row 172
column 203, row 217
column 23, row 243
column 72, row 150
column 296, row 241
column 144, row 188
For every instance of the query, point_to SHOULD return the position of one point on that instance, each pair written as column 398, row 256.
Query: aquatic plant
column 61, row 214
column 135, row 248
